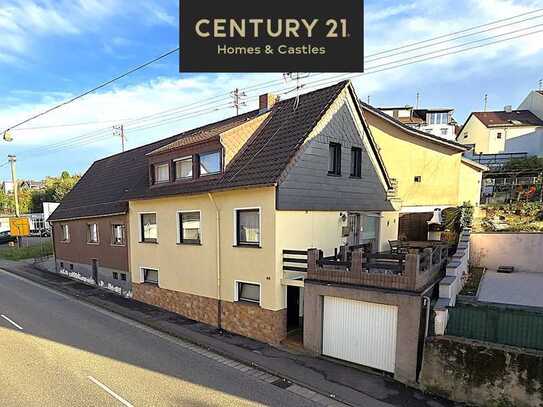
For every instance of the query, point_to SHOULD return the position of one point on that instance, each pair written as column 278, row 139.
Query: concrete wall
column 409, row 320
column 106, row 276
column 521, row 250
column 470, row 184
column 530, row 142
column 481, row 373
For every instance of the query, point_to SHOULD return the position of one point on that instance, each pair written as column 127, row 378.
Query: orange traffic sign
column 19, row 226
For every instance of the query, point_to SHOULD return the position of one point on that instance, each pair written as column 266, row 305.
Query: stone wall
column 482, row 373
column 241, row 318
column 492, row 250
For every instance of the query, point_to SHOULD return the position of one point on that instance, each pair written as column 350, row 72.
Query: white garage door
column 360, row 332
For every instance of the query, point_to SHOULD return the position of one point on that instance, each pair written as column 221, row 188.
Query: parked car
column 5, row 237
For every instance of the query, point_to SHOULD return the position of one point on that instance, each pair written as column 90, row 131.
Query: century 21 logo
column 255, row 27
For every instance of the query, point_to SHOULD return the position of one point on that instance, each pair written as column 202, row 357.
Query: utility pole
column 418, row 101
column 12, row 159
column 118, row 131
column 238, row 99
column 486, row 103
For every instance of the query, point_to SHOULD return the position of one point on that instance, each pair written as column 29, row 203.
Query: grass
column 472, row 284
column 20, row 253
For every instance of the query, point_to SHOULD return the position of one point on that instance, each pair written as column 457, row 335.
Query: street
column 56, row 351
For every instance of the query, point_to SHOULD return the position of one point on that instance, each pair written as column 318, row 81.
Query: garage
column 360, row 332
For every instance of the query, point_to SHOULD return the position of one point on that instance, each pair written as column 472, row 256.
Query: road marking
column 110, row 392
column 11, row 322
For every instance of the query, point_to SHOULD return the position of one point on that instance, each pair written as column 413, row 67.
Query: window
column 444, row 132
column 183, row 168
column 248, row 292
column 162, row 173
column 248, row 227
column 466, row 135
column 210, row 163
column 149, row 230
column 123, row 276
column 61, row 265
column 92, row 233
column 499, row 135
column 118, row 235
column 437, row 118
column 71, row 267
column 334, row 159
column 189, row 227
column 65, row 233
column 369, row 227
column 115, row 275
column 150, row 275
column 356, row 162
column 417, row 178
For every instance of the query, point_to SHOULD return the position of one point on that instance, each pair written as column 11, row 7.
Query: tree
column 529, row 163
column 55, row 189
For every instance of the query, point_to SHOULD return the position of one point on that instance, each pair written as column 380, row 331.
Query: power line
column 455, row 33
column 102, row 85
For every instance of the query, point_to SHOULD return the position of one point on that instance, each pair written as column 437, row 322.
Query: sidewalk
column 346, row 384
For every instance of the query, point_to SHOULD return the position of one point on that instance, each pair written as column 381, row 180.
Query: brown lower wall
column 482, row 373
column 241, row 318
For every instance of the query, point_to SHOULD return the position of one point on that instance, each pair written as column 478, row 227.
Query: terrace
column 410, row 266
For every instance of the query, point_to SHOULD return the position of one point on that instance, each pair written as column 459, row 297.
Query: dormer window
column 162, row 173
column 183, row 168
column 210, row 163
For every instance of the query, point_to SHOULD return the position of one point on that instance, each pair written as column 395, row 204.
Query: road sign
column 19, row 226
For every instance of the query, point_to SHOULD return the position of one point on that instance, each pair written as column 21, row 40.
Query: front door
column 293, row 308
column 95, row 270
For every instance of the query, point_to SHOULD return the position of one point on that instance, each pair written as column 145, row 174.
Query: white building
column 534, row 103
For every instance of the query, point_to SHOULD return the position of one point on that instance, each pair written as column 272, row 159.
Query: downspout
column 428, row 305
column 218, row 256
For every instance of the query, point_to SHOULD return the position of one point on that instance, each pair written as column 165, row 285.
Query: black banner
column 271, row 36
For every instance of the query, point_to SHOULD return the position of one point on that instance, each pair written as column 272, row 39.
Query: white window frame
column 123, row 236
column 97, row 241
column 142, row 274
column 62, row 225
column 235, row 214
column 155, row 169
column 140, row 226
column 236, row 291
column 182, row 159
column 178, row 222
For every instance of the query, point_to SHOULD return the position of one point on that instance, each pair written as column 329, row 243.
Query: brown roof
column 111, row 182
column 540, row 92
column 513, row 118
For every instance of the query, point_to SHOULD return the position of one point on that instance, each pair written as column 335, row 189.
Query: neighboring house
column 534, row 103
column 7, row 187
column 430, row 172
column 507, row 131
column 437, row 121
column 210, row 214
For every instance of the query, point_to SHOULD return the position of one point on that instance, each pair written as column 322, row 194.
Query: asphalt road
column 56, row 351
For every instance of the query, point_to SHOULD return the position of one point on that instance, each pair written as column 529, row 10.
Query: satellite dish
column 8, row 136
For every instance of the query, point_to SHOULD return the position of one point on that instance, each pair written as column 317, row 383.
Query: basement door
column 360, row 332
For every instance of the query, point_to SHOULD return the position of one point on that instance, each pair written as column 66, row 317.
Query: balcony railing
column 412, row 268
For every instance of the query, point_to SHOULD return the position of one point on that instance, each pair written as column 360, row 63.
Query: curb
column 293, row 385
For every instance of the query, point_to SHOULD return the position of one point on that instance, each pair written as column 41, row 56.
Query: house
column 7, row 186
column 430, row 172
column 436, row 121
column 207, row 219
column 534, row 103
column 507, row 131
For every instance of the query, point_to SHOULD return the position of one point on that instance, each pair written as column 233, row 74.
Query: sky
column 52, row 50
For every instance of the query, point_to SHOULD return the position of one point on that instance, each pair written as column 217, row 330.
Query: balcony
column 413, row 267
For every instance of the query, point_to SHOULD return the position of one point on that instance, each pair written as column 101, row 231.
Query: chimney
column 266, row 102
column 507, row 109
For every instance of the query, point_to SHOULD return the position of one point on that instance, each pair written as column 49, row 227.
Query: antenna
column 118, row 131
column 296, row 76
column 369, row 98
column 485, row 103
column 541, row 84
column 418, row 101
column 238, row 99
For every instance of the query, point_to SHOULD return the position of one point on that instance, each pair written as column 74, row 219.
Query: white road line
column 110, row 392
column 11, row 322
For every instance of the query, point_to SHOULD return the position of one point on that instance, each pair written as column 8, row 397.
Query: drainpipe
column 428, row 304
column 218, row 249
